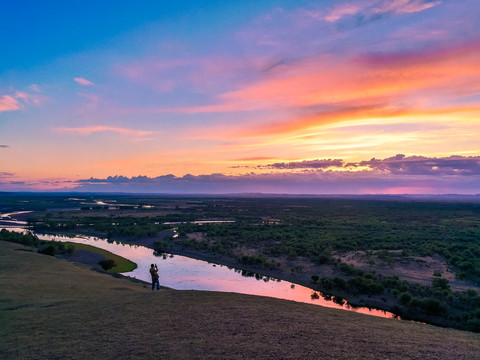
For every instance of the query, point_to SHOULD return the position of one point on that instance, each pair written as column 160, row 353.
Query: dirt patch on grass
column 197, row 237
column 410, row 268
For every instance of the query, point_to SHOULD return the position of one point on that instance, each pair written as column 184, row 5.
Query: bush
column 440, row 284
column 433, row 306
column 48, row 250
column 339, row 283
column 107, row 264
column 327, row 283
column 365, row 285
column 323, row 259
column 405, row 298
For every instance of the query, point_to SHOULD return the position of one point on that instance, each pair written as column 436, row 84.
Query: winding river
column 184, row 273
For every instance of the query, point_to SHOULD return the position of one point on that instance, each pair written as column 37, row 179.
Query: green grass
column 54, row 309
column 122, row 264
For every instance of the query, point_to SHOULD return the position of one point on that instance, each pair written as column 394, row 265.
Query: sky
column 297, row 97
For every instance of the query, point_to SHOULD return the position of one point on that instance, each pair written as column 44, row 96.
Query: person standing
column 155, row 277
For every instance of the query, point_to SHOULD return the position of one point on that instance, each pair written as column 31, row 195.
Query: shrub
column 48, row 250
column 405, row 298
column 327, row 283
column 107, row 264
column 433, row 306
column 339, row 283
column 440, row 284
column 323, row 259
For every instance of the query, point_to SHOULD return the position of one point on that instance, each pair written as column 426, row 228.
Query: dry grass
column 53, row 309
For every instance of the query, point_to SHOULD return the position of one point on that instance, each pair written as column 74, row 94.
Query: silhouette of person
column 155, row 277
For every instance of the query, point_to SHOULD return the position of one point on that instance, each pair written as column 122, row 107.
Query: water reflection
column 184, row 273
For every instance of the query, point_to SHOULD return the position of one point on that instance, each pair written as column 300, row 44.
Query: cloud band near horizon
column 395, row 175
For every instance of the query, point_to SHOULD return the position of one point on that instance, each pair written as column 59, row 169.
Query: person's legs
column 157, row 282
column 153, row 284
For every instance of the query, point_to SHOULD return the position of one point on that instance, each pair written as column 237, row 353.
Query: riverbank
column 300, row 277
column 69, row 312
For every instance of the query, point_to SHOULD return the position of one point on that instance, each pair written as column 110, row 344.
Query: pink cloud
column 341, row 10
column 100, row 128
column 327, row 89
column 82, row 81
column 29, row 98
column 8, row 103
column 376, row 7
column 405, row 6
column 11, row 102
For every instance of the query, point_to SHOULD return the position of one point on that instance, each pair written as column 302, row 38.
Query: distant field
column 53, row 309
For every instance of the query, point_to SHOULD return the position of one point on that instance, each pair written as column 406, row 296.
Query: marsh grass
column 54, row 309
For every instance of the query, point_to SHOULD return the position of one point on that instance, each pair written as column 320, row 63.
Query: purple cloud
column 307, row 164
column 420, row 165
column 395, row 175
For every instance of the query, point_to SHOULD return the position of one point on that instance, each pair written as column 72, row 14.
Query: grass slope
column 122, row 264
column 53, row 309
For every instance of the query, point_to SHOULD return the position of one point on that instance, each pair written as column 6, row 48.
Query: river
column 184, row 273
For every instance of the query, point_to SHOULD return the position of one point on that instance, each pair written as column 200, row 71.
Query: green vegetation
column 112, row 263
column 44, row 247
column 119, row 226
column 289, row 235
column 51, row 309
column 435, row 303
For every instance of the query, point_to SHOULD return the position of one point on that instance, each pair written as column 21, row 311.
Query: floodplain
column 418, row 258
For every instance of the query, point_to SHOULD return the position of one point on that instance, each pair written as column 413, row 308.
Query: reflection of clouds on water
column 184, row 273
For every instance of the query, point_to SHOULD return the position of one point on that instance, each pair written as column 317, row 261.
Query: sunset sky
column 300, row 97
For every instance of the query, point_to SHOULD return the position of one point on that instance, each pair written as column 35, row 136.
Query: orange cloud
column 381, row 113
column 393, row 80
column 329, row 80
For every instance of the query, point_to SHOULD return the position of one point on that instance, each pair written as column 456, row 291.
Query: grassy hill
column 54, row 309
